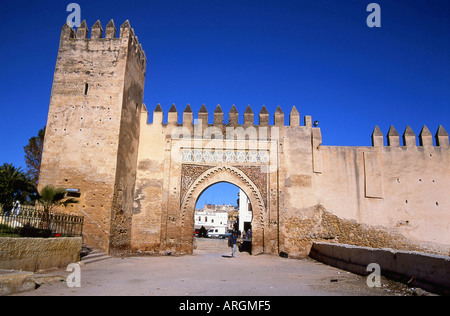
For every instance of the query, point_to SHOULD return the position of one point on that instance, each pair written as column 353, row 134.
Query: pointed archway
column 210, row 177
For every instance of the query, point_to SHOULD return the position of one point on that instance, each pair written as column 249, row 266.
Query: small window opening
column 74, row 194
column 86, row 89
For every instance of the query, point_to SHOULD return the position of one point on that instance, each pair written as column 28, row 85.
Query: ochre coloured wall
column 139, row 181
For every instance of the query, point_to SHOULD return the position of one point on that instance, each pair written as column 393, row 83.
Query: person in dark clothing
column 234, row 246
column 202, row 232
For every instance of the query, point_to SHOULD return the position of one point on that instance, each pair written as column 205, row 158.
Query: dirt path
column 207, row 273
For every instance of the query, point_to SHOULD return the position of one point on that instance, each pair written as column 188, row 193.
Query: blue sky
column 219, row 194
column 317, row 55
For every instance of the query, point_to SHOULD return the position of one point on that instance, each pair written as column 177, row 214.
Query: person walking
column 234, row 246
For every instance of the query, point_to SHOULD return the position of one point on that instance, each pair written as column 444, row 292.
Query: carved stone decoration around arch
column 210, row 177
column 189, row 173
column 257, row 174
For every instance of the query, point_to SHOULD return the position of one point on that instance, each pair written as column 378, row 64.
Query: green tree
column 51, row 197
column 15, row 185
column 33, row 155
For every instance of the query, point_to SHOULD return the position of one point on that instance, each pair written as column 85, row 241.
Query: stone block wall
column 423, row 270
column 34, row 254
column 316, row 224
column 134, row 185
column 92, row 130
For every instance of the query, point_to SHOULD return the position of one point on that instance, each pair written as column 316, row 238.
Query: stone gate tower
column 92, row 130
column 138, row 182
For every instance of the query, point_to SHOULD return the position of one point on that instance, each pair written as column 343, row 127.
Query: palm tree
column 51, row 197
column 15, row 185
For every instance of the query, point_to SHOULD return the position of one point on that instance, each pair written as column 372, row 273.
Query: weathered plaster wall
column 122, row 210
column 399, row 193
column 95, row 91
column 133, row 181
column 369, row 196
column 316, row 224
column 147, row 209
column 412, row 183
column 162, row 218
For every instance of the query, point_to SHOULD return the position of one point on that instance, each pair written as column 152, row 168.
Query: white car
column 217, row 232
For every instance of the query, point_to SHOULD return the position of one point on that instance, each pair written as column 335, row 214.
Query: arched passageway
column 222, row 209
column 217, row 175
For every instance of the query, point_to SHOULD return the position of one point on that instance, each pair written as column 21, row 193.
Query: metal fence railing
column 29, row 221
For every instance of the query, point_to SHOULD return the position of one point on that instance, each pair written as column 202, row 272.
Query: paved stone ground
column 207, row 273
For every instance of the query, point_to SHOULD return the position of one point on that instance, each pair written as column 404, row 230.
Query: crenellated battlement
column 97, row 34
column 409, row 137
column 139, row 182
column 233, row 117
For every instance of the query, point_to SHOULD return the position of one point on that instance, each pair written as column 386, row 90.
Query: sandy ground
column 208, row 273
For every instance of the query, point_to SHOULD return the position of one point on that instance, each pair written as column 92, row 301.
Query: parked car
column 218, row 232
